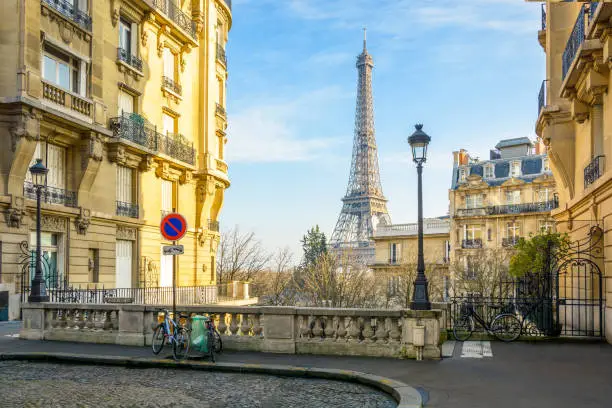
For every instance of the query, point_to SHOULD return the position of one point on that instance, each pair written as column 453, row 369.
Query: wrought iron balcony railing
column 543, row 17
column 174, row 13
column 165, row 212
column 221, row 54
column 170, row 84
column 471, row 243
column 51, row 195
column 229, row 3
column 136, row 129
column 593, row 9
column 542, row 96
column 132, row 60
column 594, row 170
column 71, row 12
column 127, row 209
column 542, row 206
column 510, row 241
column 471, row 212
column 574, row 42
column 213, row 225
column 220, row 110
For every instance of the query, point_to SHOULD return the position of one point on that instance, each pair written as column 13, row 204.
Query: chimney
column 540, row 147
column 464, row 157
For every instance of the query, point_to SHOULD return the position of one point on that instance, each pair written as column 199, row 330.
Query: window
column 63, row 70
column 93, row 265
column 220, row 92
column 471, row 232
column 489, row 234
column 52, row 248
column 545, row 164
column 461, row 175
column 168, row 199
column 220, row 33
column 125, row 184
column 168, row 124
column 489, row 171
column 221, row 141
column 513, row 197
column 394, row 250
column 80, row 4
column 394, row 284
column 54, row 158
column 169, row 64
column 544, row 194
column 446, row 251
column 125, row 103
column 125, row 36
column 470, row 268
column 547, row 226
column 515, row 169
column 512, row 230
column 473, row 201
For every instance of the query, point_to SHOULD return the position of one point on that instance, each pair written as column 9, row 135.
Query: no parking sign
column 173, row 227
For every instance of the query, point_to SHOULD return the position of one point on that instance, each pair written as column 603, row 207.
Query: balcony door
column 167, row 267
column 123, row 266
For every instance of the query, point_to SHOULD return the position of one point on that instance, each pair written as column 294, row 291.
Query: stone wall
column 361, row 332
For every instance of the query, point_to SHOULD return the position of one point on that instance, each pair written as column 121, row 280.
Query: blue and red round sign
column 173, row 227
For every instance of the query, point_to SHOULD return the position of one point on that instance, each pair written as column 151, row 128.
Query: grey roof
column 513, row 142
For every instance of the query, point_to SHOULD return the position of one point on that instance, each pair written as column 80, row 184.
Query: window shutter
column 56, row 163
column 124, row 184
column 82, row 78
column 166, row 195
column 134, row 39
column 126, row 103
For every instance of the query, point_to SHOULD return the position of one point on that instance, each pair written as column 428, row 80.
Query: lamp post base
column 420, row 299
column 37, row 299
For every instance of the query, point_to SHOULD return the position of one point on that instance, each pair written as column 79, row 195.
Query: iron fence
column 132, row 60
column 574, row 42
column 127, row 209
column 543, row 17
column 174, row 13
column 592, row 10
column 221, row 54
column 70, row 11
column 471, row 243
column 542, row 206
column 51, row 195
column 594, row 170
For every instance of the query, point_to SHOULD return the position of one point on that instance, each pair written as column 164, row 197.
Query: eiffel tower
column 364, row 205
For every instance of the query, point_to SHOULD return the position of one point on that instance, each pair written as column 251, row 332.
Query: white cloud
column 273, row 131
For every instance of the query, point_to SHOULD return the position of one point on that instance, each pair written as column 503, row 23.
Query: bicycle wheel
column 463, row 328
column 217, row 341
column 506, row 327
column 181, row 344
column 211, row 346
column 158, row 340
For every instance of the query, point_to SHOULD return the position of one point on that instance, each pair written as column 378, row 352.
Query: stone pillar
column 33, row 324
column 132, row 328
column 279, row 329
column 431, row 320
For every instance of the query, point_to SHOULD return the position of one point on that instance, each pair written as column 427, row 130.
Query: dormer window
column 462, row 174
column 489, row 171
column 515, row 169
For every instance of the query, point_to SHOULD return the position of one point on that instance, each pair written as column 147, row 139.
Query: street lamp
column 37, row 292
column 418, row 142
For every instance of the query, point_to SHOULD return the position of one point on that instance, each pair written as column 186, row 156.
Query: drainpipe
column 21, row 73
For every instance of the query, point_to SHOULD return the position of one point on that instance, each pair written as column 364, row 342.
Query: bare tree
column 240, row 256
column 483, row 272
column 275, row 285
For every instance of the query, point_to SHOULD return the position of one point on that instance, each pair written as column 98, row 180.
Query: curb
column 405, row 395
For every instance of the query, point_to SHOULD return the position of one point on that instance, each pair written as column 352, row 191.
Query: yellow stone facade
column 495, row 202
column 125, row 102
column 572, row 120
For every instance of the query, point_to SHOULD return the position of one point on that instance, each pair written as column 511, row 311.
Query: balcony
column 543, row 206
column 471, row 243
column 131, row 60
column 542, row 96
column 221, row 165
column 67, row 100
column 171, row 85
column 543, row 17
column 594, row 170
column 228, row 3
column 127, row 209
column 51, row 195
column 471, row 212
column 221, row 55
column 213, row 225
column 176, row 15
column 220, row 111
column 136, row 129
column 574, row 42
column 510, row 241
column 72, row 13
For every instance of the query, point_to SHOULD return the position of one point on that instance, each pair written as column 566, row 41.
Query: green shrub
column 531, row 254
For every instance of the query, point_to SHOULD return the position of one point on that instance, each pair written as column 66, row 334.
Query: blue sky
column 469, row 70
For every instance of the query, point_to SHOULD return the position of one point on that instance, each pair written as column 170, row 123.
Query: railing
column 542, row 206
column 429, row 227
column 542, row 96
column 221, row 54
column 213, row 225
column 133, row 127
column 543, row 17
column 127, row 209
column 471, row 243
column 68, row 10
column 220, row 110
column 174, row 13
column 592, row 10
column 574, row 42
column 132, row 60
column 59, row 96
column 229, row 3
column 471, row 212
column 54, row 94
column 51, row 195
column 80, row 105
column 170, row 84
column 221, row 165
column 594, row 170
column 165, row 212
column 510, row 241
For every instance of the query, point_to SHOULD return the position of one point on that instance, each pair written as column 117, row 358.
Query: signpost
column 173, row 227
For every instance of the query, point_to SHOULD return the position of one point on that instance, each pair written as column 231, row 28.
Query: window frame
column 515, row 165
column 77, row 69
column 125, row 26
column 472, row 199
column 516, row 197
column 489, row 171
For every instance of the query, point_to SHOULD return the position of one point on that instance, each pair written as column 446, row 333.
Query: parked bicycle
column 179, row 335
column 215, row 335
column 504, row 326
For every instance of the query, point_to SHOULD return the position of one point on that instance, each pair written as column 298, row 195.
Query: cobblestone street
column 26, row 384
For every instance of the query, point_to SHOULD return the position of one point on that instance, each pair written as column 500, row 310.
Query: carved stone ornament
column 14, row 217
column 115, row 13
column 186, row 177
column 161, row 44
column 50, row 223
column 163, row 170
column 144, row 37
column 117, row 154
column 83, row 221
column 27, row 126
column 92, row 148
column 210, row 186
column 126, row 233
column 147, row 163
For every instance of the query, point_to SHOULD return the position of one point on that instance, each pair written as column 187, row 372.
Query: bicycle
column 176, row 334
column 216, row 336
column 504, row 326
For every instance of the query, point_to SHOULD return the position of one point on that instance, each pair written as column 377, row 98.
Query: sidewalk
column 519, row 375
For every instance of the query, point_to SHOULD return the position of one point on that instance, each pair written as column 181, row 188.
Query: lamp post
column 418, row 143
column 37, row 292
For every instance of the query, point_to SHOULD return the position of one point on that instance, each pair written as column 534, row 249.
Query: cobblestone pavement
column 31, row 384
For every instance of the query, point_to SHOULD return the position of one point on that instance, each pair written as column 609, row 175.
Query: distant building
column 495, row 202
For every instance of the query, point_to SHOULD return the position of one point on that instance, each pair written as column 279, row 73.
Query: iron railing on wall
column 594, row 170
column 541, row 206
column 221, row 54
column 70, row 11
column 174, row 13
column 543, row 17
column 133, row 127
column 172, row 85
column 471, row 243
column 574, row 42
column 51, row 195
column 592, row 10
column 132, row 60
column 127, row 209
column 510, row 241
column 213, row 225
column 542, row 96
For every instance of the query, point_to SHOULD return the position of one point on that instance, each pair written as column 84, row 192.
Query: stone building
column 495, row 202
column 574, row 103
column 397, row 248
column 124, row 100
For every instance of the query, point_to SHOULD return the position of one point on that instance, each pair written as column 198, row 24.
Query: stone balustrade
column 294, row 330
column 67, row 100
